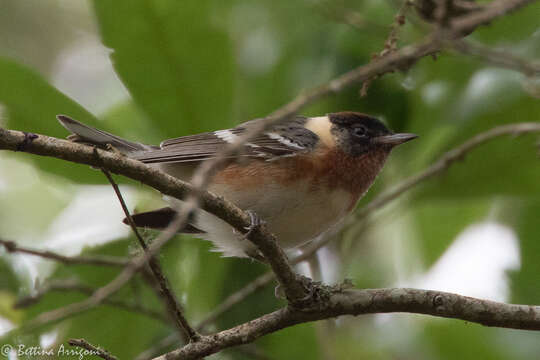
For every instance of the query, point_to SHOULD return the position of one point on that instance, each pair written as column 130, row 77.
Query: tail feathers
column 87, row 134
column 160, row 219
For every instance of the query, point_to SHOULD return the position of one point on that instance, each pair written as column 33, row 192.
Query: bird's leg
column 255, row 222
column 312, row 289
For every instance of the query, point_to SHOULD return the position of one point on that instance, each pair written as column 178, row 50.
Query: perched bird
column 301, row 177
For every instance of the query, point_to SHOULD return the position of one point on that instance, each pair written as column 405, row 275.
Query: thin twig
column 187, row 333
column 73, row 285
column 92, row 350
column 13, row 247
column 390, row 45
column 500, row 58
column 467, row 23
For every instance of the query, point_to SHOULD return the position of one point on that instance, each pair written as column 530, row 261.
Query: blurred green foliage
column 32, row 105
column 524, row 282
column 194, row 66
column 175, row 53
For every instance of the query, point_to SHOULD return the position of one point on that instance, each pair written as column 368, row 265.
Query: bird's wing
column 287, row 139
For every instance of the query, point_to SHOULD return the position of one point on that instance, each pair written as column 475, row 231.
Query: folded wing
column 287, row 139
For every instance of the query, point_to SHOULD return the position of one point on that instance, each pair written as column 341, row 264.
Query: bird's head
column 357, row 134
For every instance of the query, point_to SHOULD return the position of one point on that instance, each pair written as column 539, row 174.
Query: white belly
column 294, row 216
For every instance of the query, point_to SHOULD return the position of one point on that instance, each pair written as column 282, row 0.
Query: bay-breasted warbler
column 301, row 177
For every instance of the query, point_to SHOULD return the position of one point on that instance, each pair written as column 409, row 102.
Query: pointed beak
column 394, row 139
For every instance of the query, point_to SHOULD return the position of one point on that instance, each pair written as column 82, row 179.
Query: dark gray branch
column 370, row 301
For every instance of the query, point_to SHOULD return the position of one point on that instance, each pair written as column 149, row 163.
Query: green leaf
column 176, row 63
column 32, row 105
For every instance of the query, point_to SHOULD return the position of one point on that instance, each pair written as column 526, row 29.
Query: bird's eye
column 360, row 131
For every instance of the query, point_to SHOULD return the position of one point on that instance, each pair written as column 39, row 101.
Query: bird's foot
column 255, row 223
column 312, row 290
column 317, row 293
